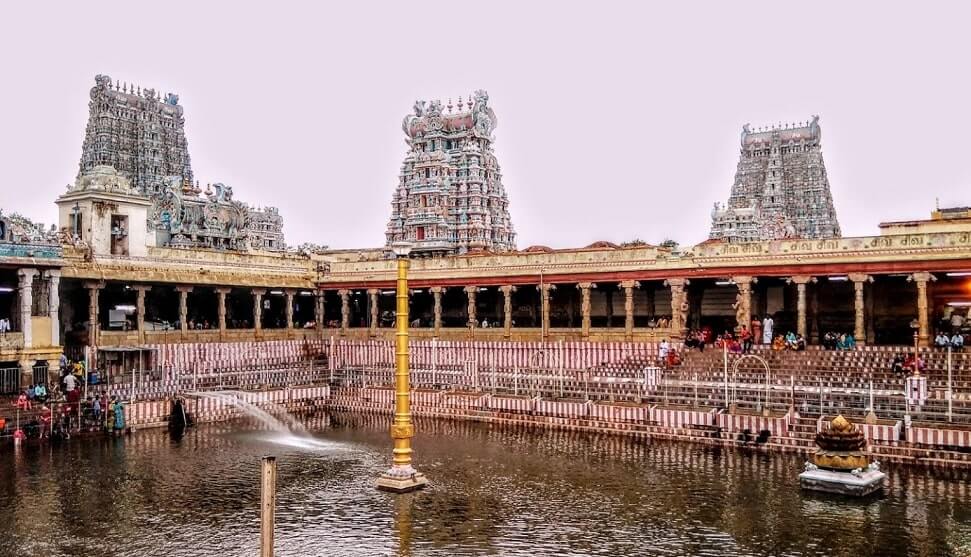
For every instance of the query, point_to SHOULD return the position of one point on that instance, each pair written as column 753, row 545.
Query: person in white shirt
column 957, row 321
column 957, row 341
column 767, row 325
column 70, row 382
column 663, row 350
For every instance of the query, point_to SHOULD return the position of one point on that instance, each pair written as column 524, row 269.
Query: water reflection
column 495, row 490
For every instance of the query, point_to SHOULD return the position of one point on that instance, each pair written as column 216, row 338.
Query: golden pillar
column 923, row 322
column 859, row 306
column 402, row 477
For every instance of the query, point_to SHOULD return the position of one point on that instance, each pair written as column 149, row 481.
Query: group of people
column 907, row 364
column 955, row 341
column 61, row 408
column 668, row 355
column 838, row 341
column 791, row 341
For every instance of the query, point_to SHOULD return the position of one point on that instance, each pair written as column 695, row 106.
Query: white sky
column 616, row 120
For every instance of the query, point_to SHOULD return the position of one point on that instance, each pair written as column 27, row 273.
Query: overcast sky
column 616, row 120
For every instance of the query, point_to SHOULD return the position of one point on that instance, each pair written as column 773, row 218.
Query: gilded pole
column 402, row 476
column 402, row 431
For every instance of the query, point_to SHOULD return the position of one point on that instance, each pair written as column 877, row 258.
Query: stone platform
column 858, row 484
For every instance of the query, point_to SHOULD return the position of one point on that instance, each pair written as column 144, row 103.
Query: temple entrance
column 117, row 307
column 892, row 318
column 565, row 306
column 332, row 309
column 239, row 309
column 161, row 308
column 710, row 304
column 304, row 316
column 273, row 314
column 525, row 307
column 202, row 306
column 455, row 307
column 488, row 306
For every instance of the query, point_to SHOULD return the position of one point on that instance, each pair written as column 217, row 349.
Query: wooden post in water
column 267, row 504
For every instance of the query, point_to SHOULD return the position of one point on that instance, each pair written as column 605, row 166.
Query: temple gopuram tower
column 781, row 189
column 138, row 133
column 135, row 145
column 450, row 198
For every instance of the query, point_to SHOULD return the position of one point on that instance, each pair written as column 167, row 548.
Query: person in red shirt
column 746, row 337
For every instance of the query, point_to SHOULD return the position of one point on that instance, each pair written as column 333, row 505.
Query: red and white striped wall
column 621, row 413
column 516, row 404
column 678, row 418
column 939, row 437
column 776, row 426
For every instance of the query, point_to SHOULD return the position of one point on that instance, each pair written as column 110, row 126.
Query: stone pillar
column 319, row 311
column 27, row 372
column 288, row 296
column 743, row 302
column 54, row 304
column 437, row 310
column 585, row 308
column 800, row 282
column 25, row 289
column 679, row 303
column 345, row 309
column 859, row 308
column 471, row 291
column 507, row 291
column 923, row 323
column 373, row 294
column 183, row 307
column 629, row 286
column 221, row 309
column 258, row 294
column 94, row 316
column 544, row 296
column 140, row 291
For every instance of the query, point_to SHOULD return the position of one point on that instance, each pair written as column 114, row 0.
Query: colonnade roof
column 873, row 254
column 904, row 253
